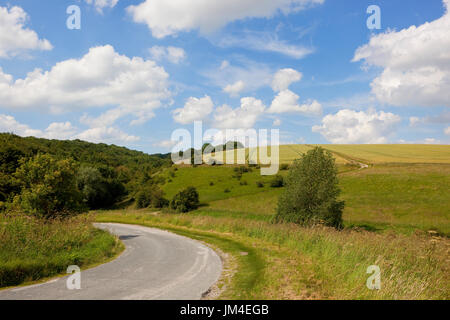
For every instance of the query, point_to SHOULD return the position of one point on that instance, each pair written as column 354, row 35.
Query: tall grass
column 322, row 262
column 32, row 249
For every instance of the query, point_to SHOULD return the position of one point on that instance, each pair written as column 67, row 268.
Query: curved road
column 155, row 265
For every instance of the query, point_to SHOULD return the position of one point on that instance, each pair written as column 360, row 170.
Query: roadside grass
column 32, row 249
column 285, row 261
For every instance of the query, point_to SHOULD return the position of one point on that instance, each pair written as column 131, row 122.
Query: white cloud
column 194, row 109
column 287, row 102
column 447, row 131
column 101, row 4
column 352, row 127
column 284, row 78
column 263, row 41
column 10, row 124
column 60, row 131
column 166, row 18
column 100, row 78
column 166, row 144
column 415, row 62
column 234, row 89
column 276, row 123
column 172, row 54
column 66, row 131
column 253, row 74
column 15, row 39
column 243, row 117
column 108, row 135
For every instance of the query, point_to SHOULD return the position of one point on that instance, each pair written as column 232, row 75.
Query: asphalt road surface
column 156, row 265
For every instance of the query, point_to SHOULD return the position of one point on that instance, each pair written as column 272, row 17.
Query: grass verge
column 290, row 262
column 32, row 249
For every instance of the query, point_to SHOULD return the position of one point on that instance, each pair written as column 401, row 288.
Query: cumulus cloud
column 101, row 4
column 276, row 123
column 234, row 89
column 415, row 63
column 166, row 18
column 100, row 78
column 287, row 102
column 60, row 130
column 66, row 131
column 166, row 144
column 15, row 38
column 172, row 54
column 283, row 78
column 10, row 124
column 243, row 117
column 353, row 127
column 105, row 134
column 194, row 109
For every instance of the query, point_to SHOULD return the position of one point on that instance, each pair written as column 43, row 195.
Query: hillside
column 81, row 151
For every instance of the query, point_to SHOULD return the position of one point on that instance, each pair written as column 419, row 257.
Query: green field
column 402, row 196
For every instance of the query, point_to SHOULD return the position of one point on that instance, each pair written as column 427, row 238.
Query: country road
column 155, row 265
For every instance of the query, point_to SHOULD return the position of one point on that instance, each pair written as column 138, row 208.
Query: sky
column 135, row 71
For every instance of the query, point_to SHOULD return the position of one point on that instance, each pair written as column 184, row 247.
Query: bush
column 49, row 188
column 277, row 181
column 260, row 184
column 185, row 200
column 211, row 183
column 151, row 196
column 243, row 183
column 99, row 190
column 284, row 166
column 226, row 190
column 311, row 191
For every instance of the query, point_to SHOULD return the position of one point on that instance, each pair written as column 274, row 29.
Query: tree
column 49, row 188
column 185, row 200
column 150, row 195
column 311, row 192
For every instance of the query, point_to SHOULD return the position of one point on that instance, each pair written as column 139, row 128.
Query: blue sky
column 139, row 69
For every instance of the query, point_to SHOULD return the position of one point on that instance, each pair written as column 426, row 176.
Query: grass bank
column 290, row 262
column 32, row 249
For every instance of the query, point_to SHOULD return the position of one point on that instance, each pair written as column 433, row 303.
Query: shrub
column 185, row 200
column 311, row 191
column 211, row 183
column 243, row 183
column 151, row 196
column 49, row 188
column 277, row 181
column 99, row 191
column 260, row 184
column 226, row 190
column 284, row 166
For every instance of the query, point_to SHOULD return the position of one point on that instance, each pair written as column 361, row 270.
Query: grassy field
column 396, row 216
column 32, row 249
